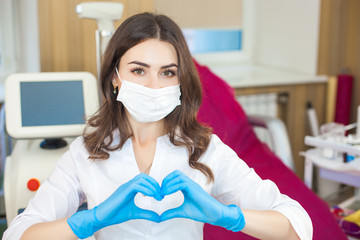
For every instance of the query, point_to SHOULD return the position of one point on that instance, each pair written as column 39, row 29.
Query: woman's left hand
column 199, row 205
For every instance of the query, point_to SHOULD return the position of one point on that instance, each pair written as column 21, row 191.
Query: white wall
column 19, row 37
column 286, row 34
column 7, row 37
column 28, row 47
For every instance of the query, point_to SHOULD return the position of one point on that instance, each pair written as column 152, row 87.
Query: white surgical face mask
column 146, row 104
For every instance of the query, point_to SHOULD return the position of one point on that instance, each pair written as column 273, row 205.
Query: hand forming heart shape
column 195, row 204
column 120, row 207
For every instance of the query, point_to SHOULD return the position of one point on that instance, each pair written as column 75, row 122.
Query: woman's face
column 152, row 63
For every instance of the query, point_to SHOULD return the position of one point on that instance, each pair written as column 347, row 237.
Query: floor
column 345, row 192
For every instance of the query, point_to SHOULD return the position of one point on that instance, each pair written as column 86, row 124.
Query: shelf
column 332, row 169
column 336, row 164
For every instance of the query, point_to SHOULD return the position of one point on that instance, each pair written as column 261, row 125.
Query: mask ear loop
column 117, row 72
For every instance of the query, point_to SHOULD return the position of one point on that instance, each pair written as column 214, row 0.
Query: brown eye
column 168, row 73
column 138, row 71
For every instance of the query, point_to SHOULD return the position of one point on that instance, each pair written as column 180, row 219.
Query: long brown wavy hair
column 181, row 124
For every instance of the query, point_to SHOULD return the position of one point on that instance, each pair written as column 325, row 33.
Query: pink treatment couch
column 223, row 113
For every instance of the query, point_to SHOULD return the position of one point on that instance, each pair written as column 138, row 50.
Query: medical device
column 335, row 139
column 44, row 112
column 105, row 13
column 337, row 146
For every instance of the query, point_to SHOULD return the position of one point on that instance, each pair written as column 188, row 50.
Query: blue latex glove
column 199, row 205
column 119, row 207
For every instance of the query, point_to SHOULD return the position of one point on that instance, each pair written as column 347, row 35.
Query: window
column 213, row 40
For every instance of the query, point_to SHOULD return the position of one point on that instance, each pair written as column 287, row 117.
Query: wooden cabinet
column 339, row 47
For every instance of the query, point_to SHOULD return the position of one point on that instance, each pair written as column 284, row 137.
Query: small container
column 334, row 132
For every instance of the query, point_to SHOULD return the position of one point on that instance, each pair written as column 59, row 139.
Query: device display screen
column 52, row 103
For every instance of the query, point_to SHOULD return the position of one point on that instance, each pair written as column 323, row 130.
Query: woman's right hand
column 119, row 207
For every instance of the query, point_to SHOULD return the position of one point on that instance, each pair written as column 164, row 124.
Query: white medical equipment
column 44, row 111
column 334, row 138
column 105, row 13
column 337, row 158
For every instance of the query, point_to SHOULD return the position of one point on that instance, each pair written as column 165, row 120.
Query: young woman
column 146, row 168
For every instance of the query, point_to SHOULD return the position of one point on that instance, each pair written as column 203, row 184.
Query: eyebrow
column 170, row 65
column 148, row 66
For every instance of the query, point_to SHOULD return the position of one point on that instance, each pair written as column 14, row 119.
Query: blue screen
column 52, row 103
column 213, row 40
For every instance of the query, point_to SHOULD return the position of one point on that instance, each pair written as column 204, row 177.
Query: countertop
column 246, row 75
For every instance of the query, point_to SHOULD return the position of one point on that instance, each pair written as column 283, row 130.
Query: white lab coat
column 76, row 179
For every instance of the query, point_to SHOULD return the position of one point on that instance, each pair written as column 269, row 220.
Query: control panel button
column 33, row 184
